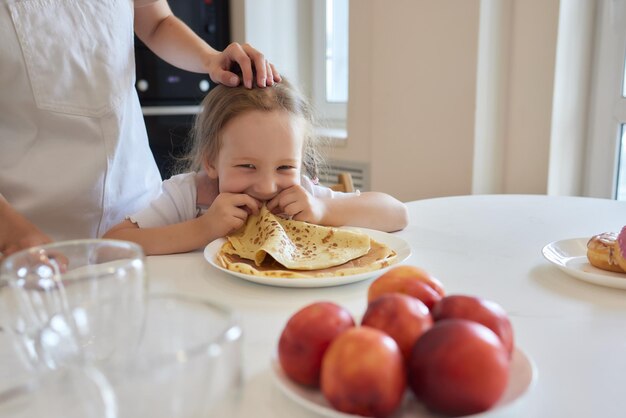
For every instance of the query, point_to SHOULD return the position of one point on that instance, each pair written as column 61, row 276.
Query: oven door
column 169, row 135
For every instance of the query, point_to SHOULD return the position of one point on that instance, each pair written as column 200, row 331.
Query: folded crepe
column 268, row 245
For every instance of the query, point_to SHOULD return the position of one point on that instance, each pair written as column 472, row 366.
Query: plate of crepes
column 274, row 251
column 600, row 259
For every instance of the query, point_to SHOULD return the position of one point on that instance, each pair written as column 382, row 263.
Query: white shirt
column 74, row 154
column 177, row 201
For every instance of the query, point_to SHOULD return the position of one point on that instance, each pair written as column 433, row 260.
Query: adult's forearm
column 17, row 232
column 4, row 214
column 8, row 218
column 171, row 39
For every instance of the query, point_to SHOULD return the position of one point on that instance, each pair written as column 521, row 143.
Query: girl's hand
column 229, row 212
column 298, row 204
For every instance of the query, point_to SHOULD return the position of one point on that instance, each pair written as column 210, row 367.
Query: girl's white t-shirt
column 177, row 201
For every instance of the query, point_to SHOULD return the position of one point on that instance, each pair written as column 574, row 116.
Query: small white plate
column 400, row 246
column 570, row 255
column 521, row 376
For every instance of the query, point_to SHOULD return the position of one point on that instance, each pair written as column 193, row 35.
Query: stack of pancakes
column 270, row 246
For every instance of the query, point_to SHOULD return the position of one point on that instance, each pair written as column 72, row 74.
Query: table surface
column 489, row 246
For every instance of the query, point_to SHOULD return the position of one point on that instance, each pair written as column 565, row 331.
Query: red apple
column 363, row 373
column 402, row 317
column 458, row 367
column 409, row 280
column 305, row 338
column 483, row 311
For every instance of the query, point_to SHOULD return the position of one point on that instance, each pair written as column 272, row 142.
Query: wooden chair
column 344, row 183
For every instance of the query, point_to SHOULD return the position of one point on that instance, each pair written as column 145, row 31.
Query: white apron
column 74, row 154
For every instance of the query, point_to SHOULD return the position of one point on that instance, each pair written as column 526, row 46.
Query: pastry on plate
column 603, row 250
column 619, row 249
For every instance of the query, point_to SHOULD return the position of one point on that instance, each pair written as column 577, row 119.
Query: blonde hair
column 222, row 104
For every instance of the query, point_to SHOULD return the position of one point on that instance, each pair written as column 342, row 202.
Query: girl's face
column 261, row 154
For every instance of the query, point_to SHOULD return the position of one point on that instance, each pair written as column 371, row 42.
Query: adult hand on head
column 246, row 57
column 16, row 232
column 296, row 203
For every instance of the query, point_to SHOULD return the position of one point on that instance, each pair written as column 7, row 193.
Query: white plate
column 570, row 255
column 521, row 376
column 400, row 246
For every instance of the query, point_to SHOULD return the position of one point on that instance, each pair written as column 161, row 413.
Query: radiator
column 360, row 173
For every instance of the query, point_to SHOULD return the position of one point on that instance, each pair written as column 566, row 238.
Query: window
column 621, row 172
column 606, row 157
column 621, row 110
column 330, row 58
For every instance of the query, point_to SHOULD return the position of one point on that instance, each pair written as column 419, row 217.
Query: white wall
column 281, row 29
column 420, row 92
column 413, row 73
column 531, row 84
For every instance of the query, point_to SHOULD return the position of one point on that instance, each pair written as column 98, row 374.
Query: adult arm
column 17, row 232
column 172, row 40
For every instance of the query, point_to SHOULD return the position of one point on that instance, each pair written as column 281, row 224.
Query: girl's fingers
column 249, row 204
column 272, row 204
column 278, row 201
column 294, row 209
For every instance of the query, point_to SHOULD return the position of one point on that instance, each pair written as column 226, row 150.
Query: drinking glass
column 188, row 363
column 74, row 302
column 71, row 392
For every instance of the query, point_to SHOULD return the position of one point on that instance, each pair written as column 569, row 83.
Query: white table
column 488, row 246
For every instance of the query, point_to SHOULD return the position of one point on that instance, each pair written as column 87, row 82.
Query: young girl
column 251, row 147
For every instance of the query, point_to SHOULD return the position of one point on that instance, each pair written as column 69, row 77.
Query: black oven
column 159, row 83
column 168, row 132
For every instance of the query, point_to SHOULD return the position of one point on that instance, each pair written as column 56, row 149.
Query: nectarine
column 305, row 338
column 483, row 311
column 363, row 373
column 402, row 317
column 409, row 280
column 458, row 367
